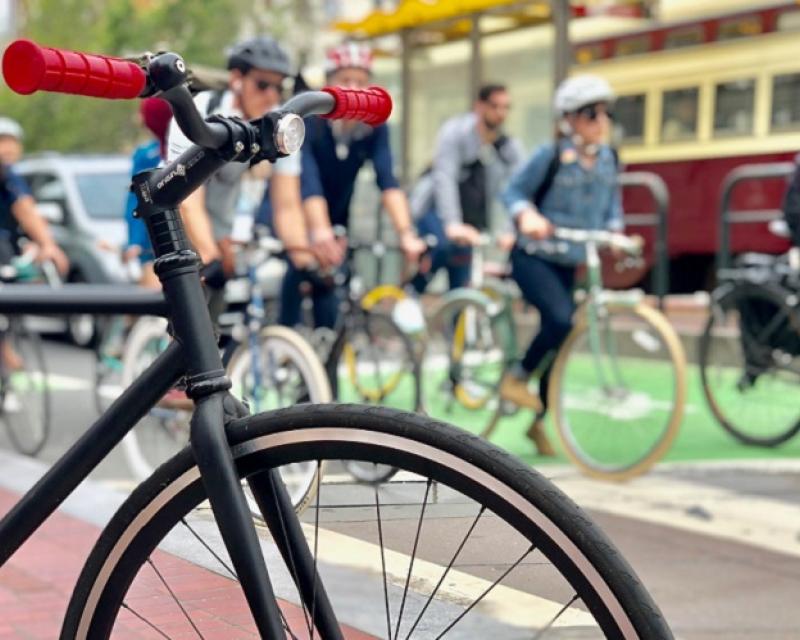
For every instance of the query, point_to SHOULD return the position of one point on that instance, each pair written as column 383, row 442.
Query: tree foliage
column 198, row 30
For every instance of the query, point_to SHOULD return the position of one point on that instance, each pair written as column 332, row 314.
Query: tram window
column 679, row 115
column 589, row 53
column 632, row 46
column 786, row 101
column 733, row 110
column 685, row 37
column 789, row 20
column 629, row 119
column 739, row 28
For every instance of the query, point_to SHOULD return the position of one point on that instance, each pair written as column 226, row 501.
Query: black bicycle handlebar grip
column 29, row 67
column 372, row 105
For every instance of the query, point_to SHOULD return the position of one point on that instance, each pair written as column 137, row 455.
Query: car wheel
column 82, row 328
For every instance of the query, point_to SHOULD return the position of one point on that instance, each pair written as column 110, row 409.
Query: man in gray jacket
column 453, row 199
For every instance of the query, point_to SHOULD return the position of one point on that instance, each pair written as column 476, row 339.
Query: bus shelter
column 422, row 24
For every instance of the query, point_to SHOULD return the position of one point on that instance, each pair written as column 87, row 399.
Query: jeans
column 455, row 258
column 548, row 287
column 326, row 302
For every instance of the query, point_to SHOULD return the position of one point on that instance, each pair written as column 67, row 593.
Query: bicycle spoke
column 230, row 570
column 146, row 621
column 550, row 624
column 175, row 598
column 227, row 567
column 486, row 592
column 383, row 565
column 446, row 571
column 413, row 557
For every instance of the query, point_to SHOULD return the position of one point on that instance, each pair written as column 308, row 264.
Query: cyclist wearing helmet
column 472, row 162
column 258, row 68
column 569, row 183
column 332, row 155
column 17, row 207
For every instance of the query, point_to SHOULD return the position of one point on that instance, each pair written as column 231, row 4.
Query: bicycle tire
column 744, row 421
column 287, row 343
column 656, row 321
column 517, row 497
column 27, row 423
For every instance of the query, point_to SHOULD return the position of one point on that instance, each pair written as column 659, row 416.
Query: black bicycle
column 749, row 353
column 364, row 556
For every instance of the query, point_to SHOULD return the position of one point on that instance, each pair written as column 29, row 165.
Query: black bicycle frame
column 193, row 355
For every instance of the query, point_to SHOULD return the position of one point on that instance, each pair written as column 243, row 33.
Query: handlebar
column 29, row 67
column 629, row 244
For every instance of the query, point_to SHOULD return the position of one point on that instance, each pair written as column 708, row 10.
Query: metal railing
column 657, row 218
column 728, row 217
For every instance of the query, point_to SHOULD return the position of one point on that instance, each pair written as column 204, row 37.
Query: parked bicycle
column 748, row 353
column 587, row 588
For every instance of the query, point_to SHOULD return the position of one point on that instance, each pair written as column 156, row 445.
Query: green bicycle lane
column 700, row 436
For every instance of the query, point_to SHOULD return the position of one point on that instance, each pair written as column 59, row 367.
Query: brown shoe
column 539, row 438
column 516, row 390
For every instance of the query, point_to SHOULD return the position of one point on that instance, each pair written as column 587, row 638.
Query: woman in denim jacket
column 569, row 183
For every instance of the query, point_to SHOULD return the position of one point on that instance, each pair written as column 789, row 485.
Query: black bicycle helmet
column 262, row 52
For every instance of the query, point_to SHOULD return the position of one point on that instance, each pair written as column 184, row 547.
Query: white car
column 83, row 197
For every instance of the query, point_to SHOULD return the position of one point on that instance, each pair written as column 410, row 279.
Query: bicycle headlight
column 290, row 133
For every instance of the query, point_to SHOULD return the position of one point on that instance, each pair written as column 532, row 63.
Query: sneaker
column 516, row 391
column 539, row 438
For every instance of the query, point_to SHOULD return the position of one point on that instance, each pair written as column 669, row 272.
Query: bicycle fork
column 208, row 386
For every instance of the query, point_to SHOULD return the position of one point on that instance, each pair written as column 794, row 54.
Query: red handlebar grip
column 28, row 67
column 372, row 105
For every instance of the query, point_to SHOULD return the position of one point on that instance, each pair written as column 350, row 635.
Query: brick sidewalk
column 36, row 583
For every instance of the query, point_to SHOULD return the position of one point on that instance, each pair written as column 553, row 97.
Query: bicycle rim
column 396, row 576
column 26, row 406
column 618, row 405
column 753, row 398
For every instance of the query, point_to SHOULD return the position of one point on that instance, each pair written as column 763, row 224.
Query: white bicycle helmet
column 10, row 128
column 580, row 91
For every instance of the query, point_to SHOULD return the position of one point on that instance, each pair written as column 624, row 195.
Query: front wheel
column 406, row 559
column 618, row 391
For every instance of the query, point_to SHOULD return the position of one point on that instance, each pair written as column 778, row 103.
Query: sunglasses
column 593, row 111
column 263, row 85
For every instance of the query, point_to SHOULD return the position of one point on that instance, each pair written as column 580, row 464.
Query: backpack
column 472, row 188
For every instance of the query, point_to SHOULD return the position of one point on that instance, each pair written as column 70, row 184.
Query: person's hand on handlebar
column 463, row 234
column 412, row 246
column 328, row 249
column 534, row 225
column 51, row 252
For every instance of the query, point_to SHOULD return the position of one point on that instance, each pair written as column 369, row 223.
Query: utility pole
column 562, row 51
